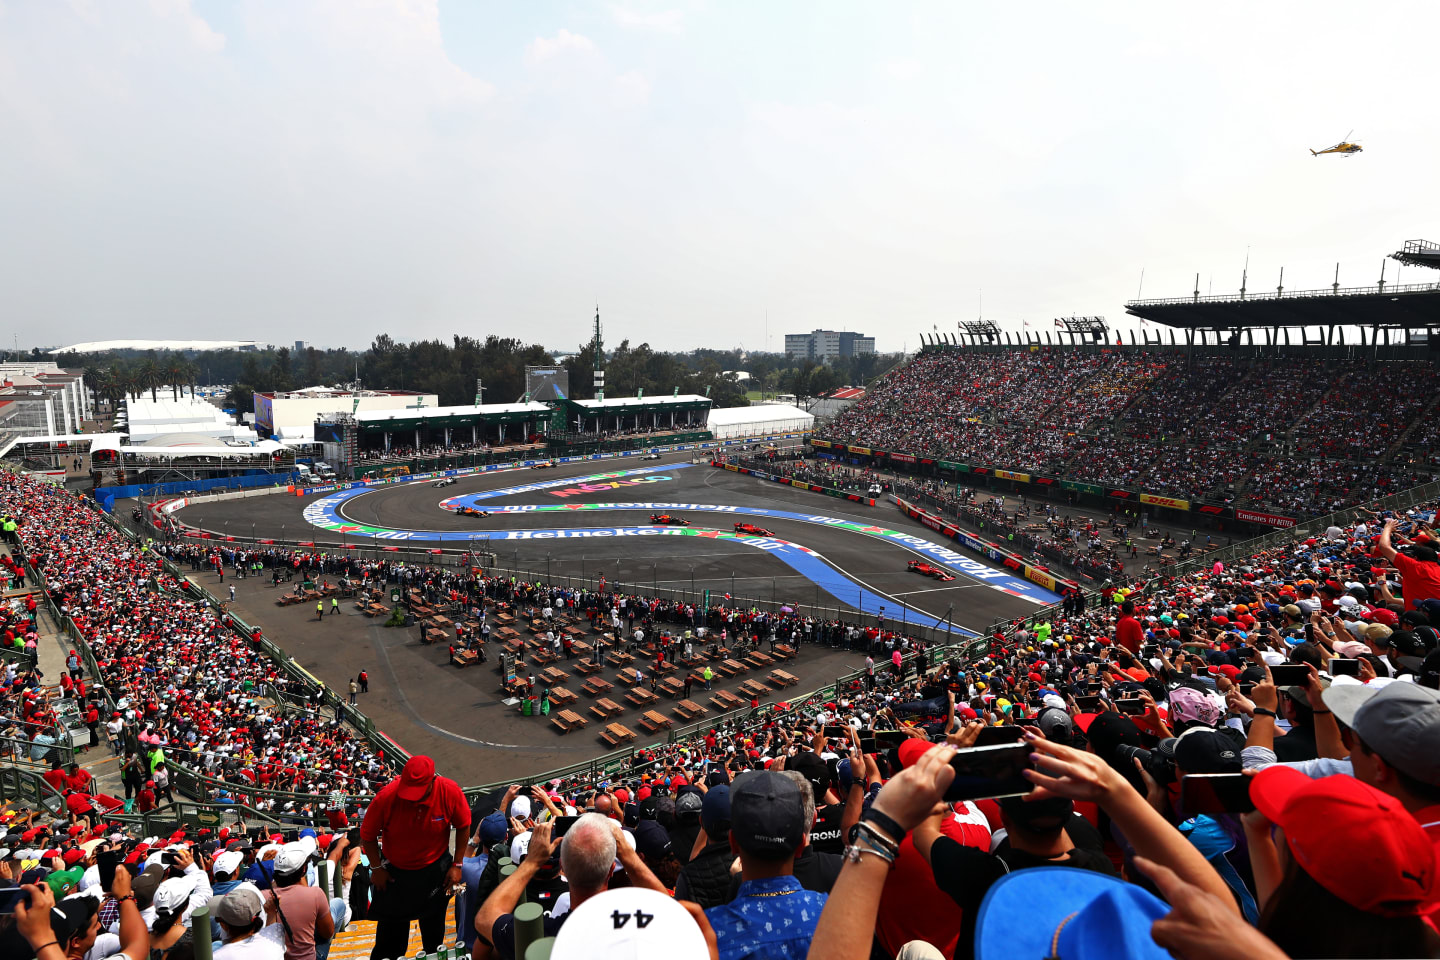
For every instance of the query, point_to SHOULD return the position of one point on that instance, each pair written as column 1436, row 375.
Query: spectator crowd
column 1220, row 428
column 1240, row 762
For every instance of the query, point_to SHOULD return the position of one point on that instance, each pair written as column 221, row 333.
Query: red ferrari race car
column 929, row 571
column 752, row 529
column 667, row 520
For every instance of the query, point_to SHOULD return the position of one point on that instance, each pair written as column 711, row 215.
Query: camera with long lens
column 1154, row 762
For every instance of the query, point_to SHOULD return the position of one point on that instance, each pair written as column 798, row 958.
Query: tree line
column 451, row 369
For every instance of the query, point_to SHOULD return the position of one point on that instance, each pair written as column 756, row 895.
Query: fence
column 106, row 496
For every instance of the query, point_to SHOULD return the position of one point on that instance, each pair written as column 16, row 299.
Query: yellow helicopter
column 1344, row 147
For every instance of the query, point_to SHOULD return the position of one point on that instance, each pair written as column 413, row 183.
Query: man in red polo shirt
column 1128, row 632
column 410, row 820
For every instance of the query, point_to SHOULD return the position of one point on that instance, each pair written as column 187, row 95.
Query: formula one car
column 667, row 520
column 653, row 455
column 929, row 571
column 472, row 512
column 444, row 482
column 752, row 529
column 543, row 464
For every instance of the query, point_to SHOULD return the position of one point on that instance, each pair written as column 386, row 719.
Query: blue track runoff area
column 325, row 514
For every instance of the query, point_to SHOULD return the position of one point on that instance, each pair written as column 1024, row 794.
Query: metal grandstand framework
column 1419, row 253
column 1084, row 329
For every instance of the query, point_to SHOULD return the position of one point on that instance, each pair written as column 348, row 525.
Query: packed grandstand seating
column 1121, row 699
column 1299, row 436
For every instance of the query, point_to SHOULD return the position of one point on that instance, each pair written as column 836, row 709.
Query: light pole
column 692, row 583
column 653, row 581
column 547, row 569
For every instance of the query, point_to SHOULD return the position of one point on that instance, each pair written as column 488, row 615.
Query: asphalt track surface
column 456, row 715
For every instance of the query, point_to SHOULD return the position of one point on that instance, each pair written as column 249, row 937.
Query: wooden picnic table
column 574, row 631
column 731, row 668
column 629, row 676
column 568, row 720
column 659, row 719
column 596, row 686
column 581, row 647
column 587, row 666
column 784, row 652
column 754, row 688
column 782, row 679
column 689, row 710
column 376, row 609
column 725, row 700
column 641, row 697
column 605, row 709
column 758, row 659
column 615, row 734
column 464, row 658
column 672, row 686
column 504, row 619
column 554, row 675
column 431, row 635
column 543, row 656
column 617, row 658
column 562, row 697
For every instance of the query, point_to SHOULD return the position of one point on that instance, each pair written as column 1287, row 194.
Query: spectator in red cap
column 411, row 820
column 1372, row 887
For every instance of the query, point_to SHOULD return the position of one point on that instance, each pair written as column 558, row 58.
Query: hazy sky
column 332, row 169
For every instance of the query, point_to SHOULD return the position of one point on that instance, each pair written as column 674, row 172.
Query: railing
column 1296, row 295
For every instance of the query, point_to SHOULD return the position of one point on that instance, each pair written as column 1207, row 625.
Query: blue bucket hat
column 1070, row 913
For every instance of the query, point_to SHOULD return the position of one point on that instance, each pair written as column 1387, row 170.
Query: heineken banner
column 952, row 465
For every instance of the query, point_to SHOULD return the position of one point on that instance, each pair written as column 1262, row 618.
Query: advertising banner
column 820, row 443
column 862, row 450
column 1079, row 487
column 952, row 465
column 1214, row 509
column 1120, row 494
column 1268, row 519
column 1008, row 475
column 1170, row 502
column 902, row 458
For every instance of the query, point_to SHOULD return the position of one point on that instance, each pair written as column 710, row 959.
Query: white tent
column 763, row 418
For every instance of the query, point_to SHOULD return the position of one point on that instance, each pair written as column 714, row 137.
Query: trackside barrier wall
column 106, row 496
column 797, row 484
column 985, row 548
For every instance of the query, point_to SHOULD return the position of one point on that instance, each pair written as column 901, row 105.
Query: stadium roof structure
column 1387, row 307
column 384, row 421
column 1419, row 253
column 100, row 346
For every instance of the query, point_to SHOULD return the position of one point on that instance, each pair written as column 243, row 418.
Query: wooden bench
column 618, row 659
column 605, row 709
column 544, row 657
column 376, row 610
column 671, row 686
column 596, row 686
column 641, row 697
column 784, row 652
column 689, row 710
column 581, row 647
column 615, row 734
column 758, row 659
column 432, row 635
column 780, row 678
column 568, row 720
column 562, row 697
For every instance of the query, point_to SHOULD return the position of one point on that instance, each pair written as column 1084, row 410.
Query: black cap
column 1207, row 750
column 767, row 816
column 651, row 841
column 812, row 768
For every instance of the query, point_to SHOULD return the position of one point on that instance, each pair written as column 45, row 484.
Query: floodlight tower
column 599, row 358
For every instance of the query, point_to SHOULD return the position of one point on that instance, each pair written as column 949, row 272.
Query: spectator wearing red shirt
column 1128, row 633
column 410, row 821
column 1419, row 574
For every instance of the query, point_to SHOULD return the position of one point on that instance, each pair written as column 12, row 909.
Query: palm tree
column 149, row 377
column 174, row 373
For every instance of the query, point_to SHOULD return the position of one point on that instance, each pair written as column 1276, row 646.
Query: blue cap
column 1070, row 913
column 493, row 829
column 716, row 809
